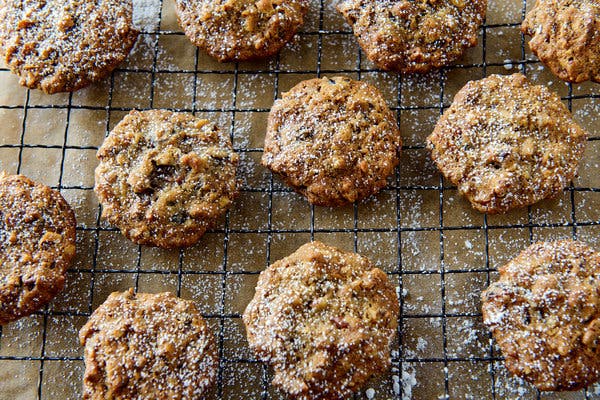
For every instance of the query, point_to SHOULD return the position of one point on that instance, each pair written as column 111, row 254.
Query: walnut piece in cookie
column 164, row 178
column 37, row 244
column 544, row 312
column 414, row 36
column 565, row 35
column 240, row 30
column 147, row 346
column 324, row 319
column 64, row 45
column 507, row 143
column 333, row 140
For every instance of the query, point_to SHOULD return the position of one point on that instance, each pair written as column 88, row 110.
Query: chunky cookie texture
column 414, row 36
column 333, row 140
column 324, row 319
column 544, row 312
column 37, row 244
column 64, row 45
column 239, row 30
column 164, row 178
column 147, row 346
column 507, row 143
column 565, row 35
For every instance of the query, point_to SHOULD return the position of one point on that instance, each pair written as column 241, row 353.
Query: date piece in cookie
column 239, row 30
column 147, row 346
column 324, row 319
column 507, row 143
column 565, row 35
column 164, row 178
column 333, row 140
column 64, row 45
column 544, row 312
column 414, row 36
column 37, row 244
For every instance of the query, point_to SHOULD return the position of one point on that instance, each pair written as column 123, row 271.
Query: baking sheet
column 439, row 252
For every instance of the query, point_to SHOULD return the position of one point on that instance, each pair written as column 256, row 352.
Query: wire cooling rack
column 439, row 252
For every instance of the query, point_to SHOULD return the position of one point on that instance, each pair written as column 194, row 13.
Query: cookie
column 507, row 143
column 333, row 140
column 64, row 45
column 147, row 346
column 544, row 312
column 240, row 30
column 324, row 319
column 565, row 35
column 37, row 244
column 164, row 178
column 414, row 36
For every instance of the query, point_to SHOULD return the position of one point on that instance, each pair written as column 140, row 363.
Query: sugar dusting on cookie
column 164, row 178
column 62, row 45
column 544, row 313
column 37, row 245
column 414, row 36
column 333, row 140
column 507, row 143
column 239, row 30
column 565, row 36
column 324, row 319
column 146, row 346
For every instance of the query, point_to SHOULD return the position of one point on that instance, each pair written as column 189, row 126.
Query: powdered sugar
column 146, row 14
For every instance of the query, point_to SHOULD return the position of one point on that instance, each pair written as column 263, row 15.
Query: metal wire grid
column 443, row 368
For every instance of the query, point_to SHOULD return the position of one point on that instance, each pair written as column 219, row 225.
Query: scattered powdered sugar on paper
column 409, row 381
column 146, row 14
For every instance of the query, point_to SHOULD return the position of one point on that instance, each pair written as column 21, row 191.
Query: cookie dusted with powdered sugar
column 414, row 36
column 565, row 35
column 507, row 143
column 164, row 178
column 147, row 346
column 324, row 319
column 544, row 312
column 239, row 30
column 333, row 140
column 37, row 244
column 64, row 45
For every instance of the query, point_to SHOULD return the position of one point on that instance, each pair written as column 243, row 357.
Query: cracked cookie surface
column 544, row 312
column 240, row 30
column 333, row 140
column 324, row 319
column 507, row 143
column 414, row 36
column 565, row 35
column 64, row 45
column 147, row 346
column 37, row 244
column 164, row 178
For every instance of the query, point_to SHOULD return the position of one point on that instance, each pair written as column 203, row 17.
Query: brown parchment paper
column 439, row 252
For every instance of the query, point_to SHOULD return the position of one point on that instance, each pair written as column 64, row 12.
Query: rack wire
column 438, row 251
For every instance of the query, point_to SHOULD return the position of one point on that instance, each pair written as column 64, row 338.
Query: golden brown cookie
column 507, row 143
column 239, row 30
column 324, row 319
column 37, row 244
column 544, row 312
column 333, row 140
column 64, row 45
column 147, row 346
column 566, row 37
column 414, row 36
column 164, row 178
